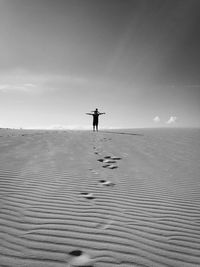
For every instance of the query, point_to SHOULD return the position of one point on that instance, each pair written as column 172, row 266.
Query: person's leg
column 93, row 124
column 97, row 127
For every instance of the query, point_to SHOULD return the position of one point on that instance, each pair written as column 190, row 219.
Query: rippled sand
column 56, row 198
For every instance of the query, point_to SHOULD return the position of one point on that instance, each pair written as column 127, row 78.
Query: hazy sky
column 136, row 60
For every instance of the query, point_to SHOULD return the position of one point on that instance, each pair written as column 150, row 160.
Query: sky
column 136, row 60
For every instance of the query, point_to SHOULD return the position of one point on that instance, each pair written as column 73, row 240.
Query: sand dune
column 59, row 207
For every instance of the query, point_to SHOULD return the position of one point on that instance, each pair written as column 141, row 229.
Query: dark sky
column 135, row 59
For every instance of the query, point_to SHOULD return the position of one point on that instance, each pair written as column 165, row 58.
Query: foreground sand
column 145, row 212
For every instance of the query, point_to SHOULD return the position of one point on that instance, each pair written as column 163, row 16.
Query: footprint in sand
column 109, row 161
column 110, row 166
column 116, row 158
column 107, row 157
column 112, row 158
column 100, row 160
column 80, row 258
column 105, row 166
column 88, row 195
column 106, row 183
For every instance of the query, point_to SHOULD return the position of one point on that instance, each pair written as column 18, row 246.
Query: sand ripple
column 148, row 217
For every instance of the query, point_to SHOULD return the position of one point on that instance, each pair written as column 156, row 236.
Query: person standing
column 95, row 115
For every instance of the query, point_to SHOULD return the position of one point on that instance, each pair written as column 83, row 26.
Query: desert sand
column 113, row 198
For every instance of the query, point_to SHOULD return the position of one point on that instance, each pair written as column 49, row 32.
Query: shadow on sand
column 123, row 133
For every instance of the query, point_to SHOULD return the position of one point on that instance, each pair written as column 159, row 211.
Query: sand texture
column 113, row 198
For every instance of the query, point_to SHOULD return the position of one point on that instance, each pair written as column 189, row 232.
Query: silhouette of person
column 95, row 115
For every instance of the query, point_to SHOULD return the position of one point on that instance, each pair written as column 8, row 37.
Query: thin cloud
column 172, row 120
column 22, row 87
column 156, row 119
column 21, row 80
column 3, row 87
column 29, row 85
column 15, row 87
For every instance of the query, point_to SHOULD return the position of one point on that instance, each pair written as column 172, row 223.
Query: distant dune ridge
column 60, row 207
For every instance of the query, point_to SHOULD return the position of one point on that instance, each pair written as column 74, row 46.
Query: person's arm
column 89, row 113
column 102, row 113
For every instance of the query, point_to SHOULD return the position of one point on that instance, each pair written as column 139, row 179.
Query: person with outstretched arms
column 95, row 115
